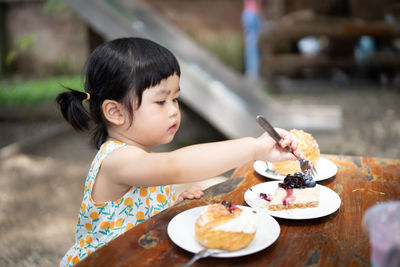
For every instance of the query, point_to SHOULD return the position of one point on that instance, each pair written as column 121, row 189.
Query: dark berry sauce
column 289, row 198
column 231, row 208
column 266, row 197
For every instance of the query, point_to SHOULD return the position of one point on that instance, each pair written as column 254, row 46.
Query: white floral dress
column 98, row 223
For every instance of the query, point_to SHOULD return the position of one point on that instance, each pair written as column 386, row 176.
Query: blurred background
column 330, row 67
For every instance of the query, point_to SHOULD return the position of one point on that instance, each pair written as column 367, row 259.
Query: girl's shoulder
column 105, row 149
column 120, row 155
column 117, row 149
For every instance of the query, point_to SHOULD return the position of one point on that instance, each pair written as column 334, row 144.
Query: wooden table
column 334, row 240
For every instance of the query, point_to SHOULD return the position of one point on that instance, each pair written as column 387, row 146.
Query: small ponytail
column 72, row 109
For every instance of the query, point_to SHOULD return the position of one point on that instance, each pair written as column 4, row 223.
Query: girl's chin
column 166, row 140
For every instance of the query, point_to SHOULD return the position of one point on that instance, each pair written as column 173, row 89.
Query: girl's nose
column 173, row 109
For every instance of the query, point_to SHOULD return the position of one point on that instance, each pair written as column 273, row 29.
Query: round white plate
column 329, row 202
column 182, row 233
column 325, row 170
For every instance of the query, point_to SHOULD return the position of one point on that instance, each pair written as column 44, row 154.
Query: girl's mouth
column 173, row 128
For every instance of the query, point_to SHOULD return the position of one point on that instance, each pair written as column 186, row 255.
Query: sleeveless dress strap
column 105, row 149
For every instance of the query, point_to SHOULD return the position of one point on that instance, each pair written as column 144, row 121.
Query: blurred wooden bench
column 341, row 35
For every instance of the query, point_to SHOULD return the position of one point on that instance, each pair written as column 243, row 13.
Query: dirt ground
column 41, row 186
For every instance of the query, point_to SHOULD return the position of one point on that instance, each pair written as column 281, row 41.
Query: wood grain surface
column 338, row 239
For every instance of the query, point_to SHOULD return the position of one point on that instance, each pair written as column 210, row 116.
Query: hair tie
column 87, row 96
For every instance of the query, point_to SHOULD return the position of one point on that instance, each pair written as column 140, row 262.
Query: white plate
column 325, row 170
column 182, row 233
column 329, row 202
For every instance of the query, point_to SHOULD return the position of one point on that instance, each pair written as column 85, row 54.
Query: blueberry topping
column 307, row 177
column 226, row 204
column 292, row 181
column 312, row 183
column 298, row 180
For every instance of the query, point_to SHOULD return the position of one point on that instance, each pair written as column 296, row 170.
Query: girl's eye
column 176, row 99
column 161, row 102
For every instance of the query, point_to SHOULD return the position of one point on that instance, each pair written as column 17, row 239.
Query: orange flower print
column 88, row 226
column 167, row 191
column 148, row 201
column 88, row 239
column 139, row 215
column 99, row 223
column 152, row 189
column 89, row 184
column 75, row 260
column 143, row 192
column 119, row 200
column 128, row 202
column 104, row 225
column 161, row 198
column 119, row 222
column 83, row 207
column 100, row 204
column 173, row 197
column 156, row 212
column 128, row 226
column 94, row 215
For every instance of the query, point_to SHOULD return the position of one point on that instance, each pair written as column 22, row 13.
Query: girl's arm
column 133, row 166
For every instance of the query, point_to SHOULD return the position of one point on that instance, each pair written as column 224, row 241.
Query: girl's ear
column 113, row 112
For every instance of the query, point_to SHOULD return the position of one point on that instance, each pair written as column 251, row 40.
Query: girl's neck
column 129, row 142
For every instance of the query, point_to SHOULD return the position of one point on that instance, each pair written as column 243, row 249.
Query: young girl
column 132, row 90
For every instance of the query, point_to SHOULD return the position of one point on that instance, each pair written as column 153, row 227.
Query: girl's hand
column 191, row 193
column 268, row 150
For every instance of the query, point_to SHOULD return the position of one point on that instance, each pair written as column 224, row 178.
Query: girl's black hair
column 113, row 70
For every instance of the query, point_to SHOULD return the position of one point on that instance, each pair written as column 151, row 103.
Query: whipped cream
column 247, row 223
column 203, row 219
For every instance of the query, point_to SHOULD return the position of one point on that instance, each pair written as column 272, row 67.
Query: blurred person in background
column 251, row 20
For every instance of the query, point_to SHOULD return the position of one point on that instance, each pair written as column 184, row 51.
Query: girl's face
column 158, row 118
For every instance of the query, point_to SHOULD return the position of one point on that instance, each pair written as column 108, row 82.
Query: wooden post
column 276, row 9
column 95, row 39
column 2, row 39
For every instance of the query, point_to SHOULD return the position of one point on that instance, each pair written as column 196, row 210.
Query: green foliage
column 62, row 66
column 24, row 43
column 14, row 93
column 53, row 5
